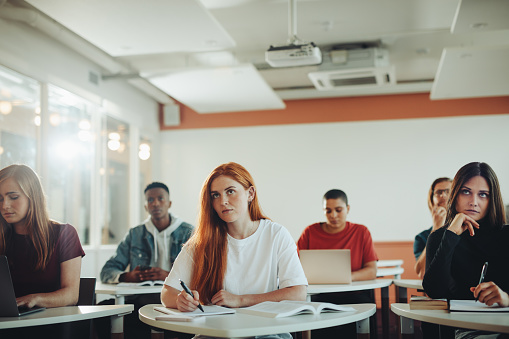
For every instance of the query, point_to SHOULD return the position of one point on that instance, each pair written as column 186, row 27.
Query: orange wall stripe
column 364, row 108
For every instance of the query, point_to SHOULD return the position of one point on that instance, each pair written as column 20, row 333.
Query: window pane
column 145, row 160
column 19, row 119
column 69, row 159
column 116, row 181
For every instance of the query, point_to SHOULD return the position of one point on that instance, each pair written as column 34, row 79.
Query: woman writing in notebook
column 474, row 233
column 44, row 256
column 236, row 257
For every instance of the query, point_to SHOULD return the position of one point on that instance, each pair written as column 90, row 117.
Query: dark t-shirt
column 420, row 242
column 21, row 253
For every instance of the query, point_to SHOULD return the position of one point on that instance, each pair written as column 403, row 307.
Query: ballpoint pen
column 483, row 274
column 188, row 291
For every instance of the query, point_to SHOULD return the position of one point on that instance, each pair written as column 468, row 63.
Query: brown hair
column 432, row 190
column 209, row 240
column 496, row 213
column 39, row 226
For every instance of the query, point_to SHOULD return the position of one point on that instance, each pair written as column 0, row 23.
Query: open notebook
column 172, row 314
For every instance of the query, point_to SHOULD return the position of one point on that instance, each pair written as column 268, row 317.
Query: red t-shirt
column 354, row 237
column 21, row 254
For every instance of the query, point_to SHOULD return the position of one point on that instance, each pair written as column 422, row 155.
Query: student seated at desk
column 437, row 203
column 44, row 256
column 236, row 257
column 474, row 233
column 338, row 233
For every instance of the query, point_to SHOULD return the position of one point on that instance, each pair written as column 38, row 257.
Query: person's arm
column 224, row 298
column 367, row 272
column 420, row 264
column 116, row 265
column 440, row 248
column 67, row 295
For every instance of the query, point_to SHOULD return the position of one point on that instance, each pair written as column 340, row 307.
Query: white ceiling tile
column 129, row 27
column 475, row 71
column 481, row 15
column 223, row 89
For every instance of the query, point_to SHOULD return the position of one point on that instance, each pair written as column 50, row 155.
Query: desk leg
column 403, row 296
column 117, row 327
column 156, row 334
column 385, row 311
column 407, row 327
column 363, row 329
column 119, row 300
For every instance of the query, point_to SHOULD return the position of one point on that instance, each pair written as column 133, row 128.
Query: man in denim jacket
column 148, row 250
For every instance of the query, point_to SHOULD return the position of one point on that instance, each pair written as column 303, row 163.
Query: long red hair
column 209, row 240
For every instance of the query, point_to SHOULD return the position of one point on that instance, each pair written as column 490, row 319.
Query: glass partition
column 19, row 119
column 69, row 159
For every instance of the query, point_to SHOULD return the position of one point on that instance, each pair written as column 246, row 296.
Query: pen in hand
column 483, row 274
column 188, row 291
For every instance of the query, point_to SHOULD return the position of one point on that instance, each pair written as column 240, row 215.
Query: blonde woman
column 44, row 256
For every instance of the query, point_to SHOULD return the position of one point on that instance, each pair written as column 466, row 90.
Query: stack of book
column 427, row 303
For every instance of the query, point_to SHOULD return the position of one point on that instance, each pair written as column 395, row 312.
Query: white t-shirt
column 261, row 263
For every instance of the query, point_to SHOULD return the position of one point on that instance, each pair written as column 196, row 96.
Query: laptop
column 8, row 307
column 326, row 266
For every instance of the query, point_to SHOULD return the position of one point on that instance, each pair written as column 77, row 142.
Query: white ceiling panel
column 481, row 15
column 476, row 71
column 133, row 27
column 222, row 89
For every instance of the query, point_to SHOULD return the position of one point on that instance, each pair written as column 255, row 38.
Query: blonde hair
column 39, row 226
column 209, row 240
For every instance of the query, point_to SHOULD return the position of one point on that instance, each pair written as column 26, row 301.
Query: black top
column 454, row 262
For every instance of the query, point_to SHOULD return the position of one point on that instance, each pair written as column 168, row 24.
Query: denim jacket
column 137, row 248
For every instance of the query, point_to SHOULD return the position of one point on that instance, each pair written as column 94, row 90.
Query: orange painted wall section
column 382, row 107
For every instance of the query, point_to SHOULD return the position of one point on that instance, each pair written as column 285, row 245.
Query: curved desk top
column 245, row 325
column 354, row 286
column 493, row 322
column 408, row 283
column 58, row 315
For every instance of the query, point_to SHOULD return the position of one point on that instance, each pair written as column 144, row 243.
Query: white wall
column 385, row 167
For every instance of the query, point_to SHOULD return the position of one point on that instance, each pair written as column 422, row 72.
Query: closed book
column 427, row 303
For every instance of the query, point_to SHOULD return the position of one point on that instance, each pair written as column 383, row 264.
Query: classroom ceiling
column 183, row 47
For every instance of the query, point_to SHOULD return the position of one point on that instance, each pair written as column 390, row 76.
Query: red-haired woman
column 236, row 257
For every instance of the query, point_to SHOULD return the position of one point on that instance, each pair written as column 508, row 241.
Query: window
column 19, row 119
column 115, row 181
column 69, row 156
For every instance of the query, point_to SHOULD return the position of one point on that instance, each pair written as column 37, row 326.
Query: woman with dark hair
column 437, row 202
column 236, row 257
column 44, row 256
column 474, row 233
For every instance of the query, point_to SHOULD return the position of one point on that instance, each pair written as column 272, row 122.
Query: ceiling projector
column 293, row 55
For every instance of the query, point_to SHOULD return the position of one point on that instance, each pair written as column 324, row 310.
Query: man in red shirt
column 337, row 233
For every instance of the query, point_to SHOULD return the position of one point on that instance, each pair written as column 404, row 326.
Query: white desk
column 245, row 325
column 402, row 285
column 383, row 284
column 389, row 267
column 494, row 322
column 121, row 292
column 58, row 315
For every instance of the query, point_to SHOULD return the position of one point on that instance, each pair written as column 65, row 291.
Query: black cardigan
column 454, row 262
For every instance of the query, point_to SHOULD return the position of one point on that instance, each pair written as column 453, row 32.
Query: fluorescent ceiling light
column 215, row 90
